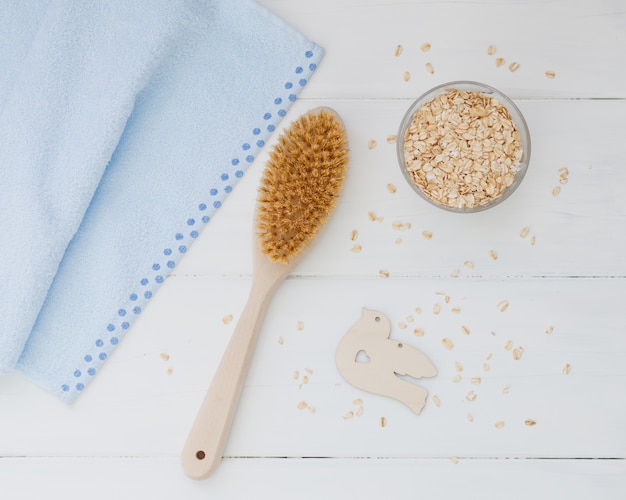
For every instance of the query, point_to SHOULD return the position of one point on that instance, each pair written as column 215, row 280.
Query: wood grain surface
column 530, row 294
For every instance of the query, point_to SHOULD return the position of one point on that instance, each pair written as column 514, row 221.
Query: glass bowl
column 461, row 169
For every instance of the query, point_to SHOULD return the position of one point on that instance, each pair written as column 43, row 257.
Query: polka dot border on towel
column 131, row 307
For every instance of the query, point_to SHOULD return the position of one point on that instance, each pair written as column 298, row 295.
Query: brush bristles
column 301, row 183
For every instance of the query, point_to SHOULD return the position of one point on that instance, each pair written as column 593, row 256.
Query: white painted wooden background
column 122, row 438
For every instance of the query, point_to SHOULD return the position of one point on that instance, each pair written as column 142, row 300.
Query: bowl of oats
column 463, row 146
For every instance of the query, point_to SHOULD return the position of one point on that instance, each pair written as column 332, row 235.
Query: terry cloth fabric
column 123, row 126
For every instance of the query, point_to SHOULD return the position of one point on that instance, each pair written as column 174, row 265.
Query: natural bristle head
column 301, row 183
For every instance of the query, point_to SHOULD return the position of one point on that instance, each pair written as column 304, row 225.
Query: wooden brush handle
column 205, row 444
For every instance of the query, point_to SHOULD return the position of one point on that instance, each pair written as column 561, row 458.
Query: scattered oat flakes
column 458, row 366
column 398, row 50
column 469, row 264
column 500, row 61
column 305, row 379
column 359, row 411
column 533, row 240
column 465, row 329
column 406, row 76
column 418, row 310
column 506, row 389
column 371, row 144
column 509, row 345
column 530, row 422
column 383, row 422
column 455, row 273
column 227, row 319
column 302, row 405
column 513, row 66
column 456, row 378
column 455, row 310
column 524, row 232
column 556, row 190
column 418, row 332
column 486, row 367
column 493, row 255
column 356, row 248
column 170, row 370
column 310, row 409
column 383, row 273
column 391, row 188
column 296, row 375
column 489, row 356
column 281, row 340
column 437, row 401
column 499, row 424
column 436, row 309
column 391, row 139
column 454, row 460
column 164, row 356
column 503, row 305
column 401, row 226
column 476, row 380
column 550, row 74
column 471, row 396
column 357, row 401
column 447, row 343
column 425, row 47
column 397, row 241
column 429, row 68
column 427, row 234
column 348, row 415
column 300, row 326
column 402, row 325
column 517, row 353
column 567, row 369
column 446, row 299
column 354, row 235
column 549, row 330
column 373, row 217
column 470, row 417
column 309, row 371
column 409, row 319
column 491, row 50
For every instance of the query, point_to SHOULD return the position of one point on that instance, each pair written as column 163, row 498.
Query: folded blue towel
column 123, row 126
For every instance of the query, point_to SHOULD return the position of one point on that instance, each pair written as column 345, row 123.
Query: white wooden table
column 565, row 284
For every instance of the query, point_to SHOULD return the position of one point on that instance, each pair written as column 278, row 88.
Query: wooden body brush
column 300, row 185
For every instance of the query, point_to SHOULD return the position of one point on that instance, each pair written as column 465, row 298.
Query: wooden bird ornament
column 368, row 359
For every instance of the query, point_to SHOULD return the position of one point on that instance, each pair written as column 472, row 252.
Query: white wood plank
column 136, row 408
column 161, row 478
column 580, row 232
column 583, row 42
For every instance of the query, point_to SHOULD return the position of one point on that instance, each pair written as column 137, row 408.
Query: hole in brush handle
column 200, row 455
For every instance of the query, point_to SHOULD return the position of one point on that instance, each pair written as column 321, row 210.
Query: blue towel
column 123, row 126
